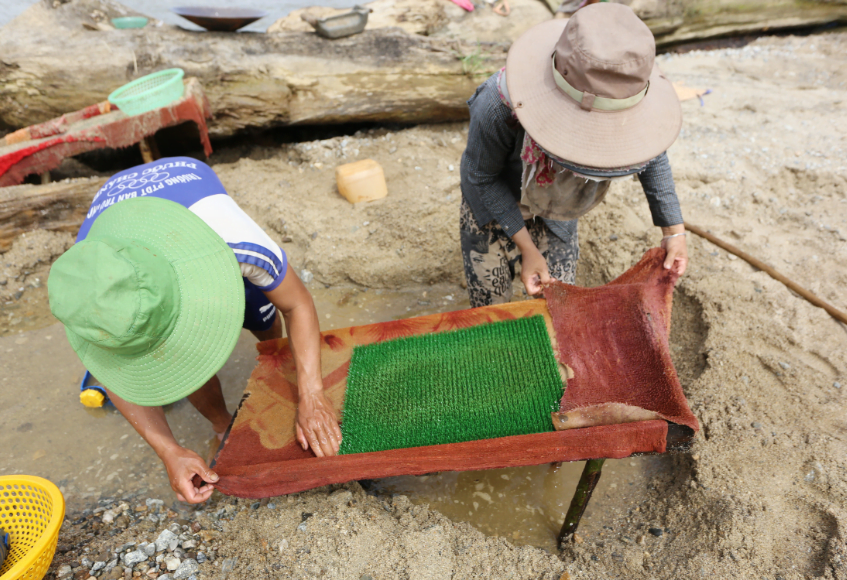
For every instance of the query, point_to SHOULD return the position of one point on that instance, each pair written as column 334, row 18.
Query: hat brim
column 601, row 139
column 211, row 305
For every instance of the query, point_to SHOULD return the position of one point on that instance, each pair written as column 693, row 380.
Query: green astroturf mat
column 486, row 381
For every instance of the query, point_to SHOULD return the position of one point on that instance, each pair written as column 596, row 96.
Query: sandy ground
column 762, row 494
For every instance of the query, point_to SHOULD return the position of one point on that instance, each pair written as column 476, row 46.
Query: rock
column 283, row 545
column 756, row 425
column 201, row 557
column 209, row 535
column 86, row 562
column 341, row 497
column 164, row 577
column 64, row 570
column 301, row 527
column 130, row 559
column 836, row 384
column 97, row 567
column 271, row 506
column 189, row 544
column 164, row 540
column 228, row 565
column 149, row 549
column 154, row 504
column 187, row 568
column 108, row 516
column 171, row 563
column 656, row 532
column 785, row 365
column 173, row 544
column 306, row 276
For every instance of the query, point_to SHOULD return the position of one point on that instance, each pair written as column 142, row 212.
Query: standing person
column 166, row 271
column 579, row 104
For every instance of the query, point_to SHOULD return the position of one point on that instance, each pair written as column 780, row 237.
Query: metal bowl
column 220, row 19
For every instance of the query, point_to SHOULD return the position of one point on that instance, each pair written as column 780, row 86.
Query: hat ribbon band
column 588, row 101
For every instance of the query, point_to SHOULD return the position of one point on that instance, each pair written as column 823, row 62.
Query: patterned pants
column 490, row 256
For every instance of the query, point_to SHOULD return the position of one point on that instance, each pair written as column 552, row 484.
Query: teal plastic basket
column 150, row 92
column 129, row 22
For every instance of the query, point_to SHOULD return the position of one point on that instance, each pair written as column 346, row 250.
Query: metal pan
column 219, row 19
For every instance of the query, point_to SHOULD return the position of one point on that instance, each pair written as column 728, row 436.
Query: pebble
column 785, row 365
column 283, row 545
column 613, row 237
column 187, row 568
column 189, row 544
column 301, row 527
column 154, row 504
column 86, row 562
column 149, row 549
column 836, row 384
column 172, row 563
column 341, row 497
column 201, row 557
column 164, row 540
column 656, row 532
column 271, row 506
column 164, row 577
column 64, row 570
column 130, row 559
column 228, row 565
column 97, row 567
column 756, row 425
column 306, row 276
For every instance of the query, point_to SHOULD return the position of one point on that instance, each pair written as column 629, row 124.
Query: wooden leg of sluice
column 149, row 150
column 584, row 489
column 45, row 178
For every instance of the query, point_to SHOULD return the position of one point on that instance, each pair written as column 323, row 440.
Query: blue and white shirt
column 193, row 184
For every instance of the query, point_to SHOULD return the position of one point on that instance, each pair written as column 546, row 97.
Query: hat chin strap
column 588, row 101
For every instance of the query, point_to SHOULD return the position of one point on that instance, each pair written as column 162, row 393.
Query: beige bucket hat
column 587, row 89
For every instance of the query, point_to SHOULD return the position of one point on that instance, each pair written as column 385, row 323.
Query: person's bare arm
column 534, row 270
column 317, row 420
column 182, row 464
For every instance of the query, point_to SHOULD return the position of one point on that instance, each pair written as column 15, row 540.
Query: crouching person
column 165, row 272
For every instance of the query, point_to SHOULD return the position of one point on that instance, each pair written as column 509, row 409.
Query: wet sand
column 762, row 493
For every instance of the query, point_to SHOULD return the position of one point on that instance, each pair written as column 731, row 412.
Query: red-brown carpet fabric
column 257, row 480
column 615, row 338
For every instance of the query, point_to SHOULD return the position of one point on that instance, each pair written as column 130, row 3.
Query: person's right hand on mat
column 182, row 465
column 317, row 424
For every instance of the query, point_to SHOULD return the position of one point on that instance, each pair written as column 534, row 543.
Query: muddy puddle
column 93, row 453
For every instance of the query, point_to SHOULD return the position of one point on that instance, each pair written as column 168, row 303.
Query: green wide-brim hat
column 171, row 286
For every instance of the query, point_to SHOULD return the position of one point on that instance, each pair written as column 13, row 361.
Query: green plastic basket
column 150, row 92
column 129, row 22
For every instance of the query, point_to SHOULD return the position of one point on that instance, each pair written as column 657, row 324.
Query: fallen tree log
column 57, row 206
column 62, row 55
column 49, row 62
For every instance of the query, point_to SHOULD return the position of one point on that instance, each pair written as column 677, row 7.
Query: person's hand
column 317, row 424
column 534, row 271
column 182, row 465
column 677, row 253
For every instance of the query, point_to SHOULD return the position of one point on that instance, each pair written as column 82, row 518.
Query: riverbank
column 762, row 493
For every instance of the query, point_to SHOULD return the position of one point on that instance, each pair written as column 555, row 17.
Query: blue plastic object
column 92, row 395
